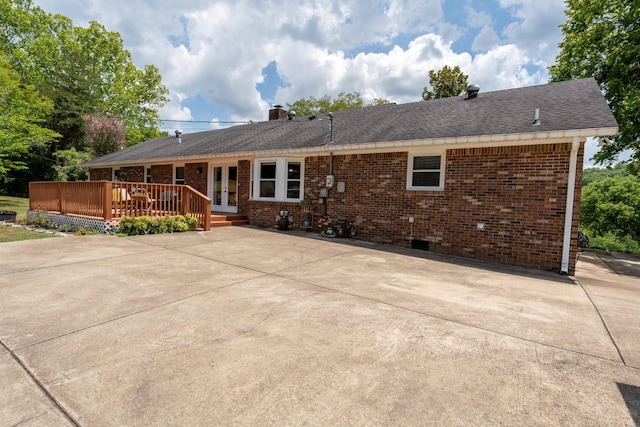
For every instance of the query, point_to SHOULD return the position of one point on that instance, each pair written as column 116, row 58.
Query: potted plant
column 326, row 224
column 7, row 215
column 305, row 204
column 341, row 226
column 352, row 228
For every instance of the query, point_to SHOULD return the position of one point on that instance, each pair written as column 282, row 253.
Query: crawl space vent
column 423, row 245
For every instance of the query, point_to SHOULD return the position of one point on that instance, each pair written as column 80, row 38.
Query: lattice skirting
column 99, row 225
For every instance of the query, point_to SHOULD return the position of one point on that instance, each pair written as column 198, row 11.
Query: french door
column 224, row 188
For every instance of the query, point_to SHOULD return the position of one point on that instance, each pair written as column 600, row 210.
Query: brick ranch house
column 495, row 176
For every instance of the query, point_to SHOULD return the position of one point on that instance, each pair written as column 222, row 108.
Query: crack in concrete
column 55, row 402
column 479, row 327
column 613, row 341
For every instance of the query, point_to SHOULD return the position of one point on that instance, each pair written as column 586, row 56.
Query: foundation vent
column 423, row 245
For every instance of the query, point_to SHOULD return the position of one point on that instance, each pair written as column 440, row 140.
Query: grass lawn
column 17, row 204
column 14, row 234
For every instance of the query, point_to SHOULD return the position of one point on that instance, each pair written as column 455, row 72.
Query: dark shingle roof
column 576, row 105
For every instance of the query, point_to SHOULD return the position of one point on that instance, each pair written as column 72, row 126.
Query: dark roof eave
column 516, row 138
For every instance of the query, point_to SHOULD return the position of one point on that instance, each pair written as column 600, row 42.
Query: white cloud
column 536, row 30
column 486, row 39
column 218, row 49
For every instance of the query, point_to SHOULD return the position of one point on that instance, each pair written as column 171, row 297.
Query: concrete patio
column 241, row 326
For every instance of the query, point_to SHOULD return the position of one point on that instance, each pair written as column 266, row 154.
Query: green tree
column 590, row 175
column 612, row 205
column 602, row 40
column 103, row 135
column 68, row 163
column 22, row 113
column 344, row 101
column 445, row 83
column 82, row 70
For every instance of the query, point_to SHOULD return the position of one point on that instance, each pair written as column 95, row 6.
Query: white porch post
column 568, row 219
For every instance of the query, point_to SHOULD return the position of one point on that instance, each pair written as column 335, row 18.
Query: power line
column 203, row 121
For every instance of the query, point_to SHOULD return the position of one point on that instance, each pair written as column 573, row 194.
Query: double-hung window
column 278, row 179
column 294, row 180
column 268, row 179
column 425, row 171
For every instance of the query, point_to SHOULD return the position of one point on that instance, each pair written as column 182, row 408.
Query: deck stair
column 223, row 219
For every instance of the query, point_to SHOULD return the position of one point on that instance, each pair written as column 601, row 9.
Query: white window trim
column 282, row 164
column 412, row 155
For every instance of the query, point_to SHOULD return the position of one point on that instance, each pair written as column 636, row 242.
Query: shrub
column 612, row 242
column 186, row 223
column 134, row 226
column 159, row 225
column 42, row 220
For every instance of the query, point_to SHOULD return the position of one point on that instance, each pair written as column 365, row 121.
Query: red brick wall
column 162, row 174
column 519, row 193
column 100, row 174
column 132, row 173
column 263, row 214
column 195, row 175
column 244, row 186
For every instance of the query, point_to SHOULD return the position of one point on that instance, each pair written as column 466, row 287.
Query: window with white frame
column 147, row 175
column 278, row 179
column 425, row 171
column 116, row 174
column 268, row 179
column 294, row 180
column 179, row 175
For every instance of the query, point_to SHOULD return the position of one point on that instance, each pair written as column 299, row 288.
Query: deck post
column 207, row 215
column 183, row 202
column 107, row 213
column 61, row 203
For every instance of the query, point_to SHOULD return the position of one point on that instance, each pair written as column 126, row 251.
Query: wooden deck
column 112, row 200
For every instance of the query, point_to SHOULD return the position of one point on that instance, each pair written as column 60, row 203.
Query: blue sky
column 231, row 60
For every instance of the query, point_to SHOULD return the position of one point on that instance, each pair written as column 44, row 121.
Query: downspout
column 568, row 219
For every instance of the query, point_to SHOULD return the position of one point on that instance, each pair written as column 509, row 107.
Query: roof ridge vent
column 472, row 91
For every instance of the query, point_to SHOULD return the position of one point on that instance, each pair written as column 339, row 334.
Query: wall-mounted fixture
column 324, row 193
column 199, row 170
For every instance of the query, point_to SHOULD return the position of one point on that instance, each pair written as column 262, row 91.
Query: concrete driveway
column 240, row 326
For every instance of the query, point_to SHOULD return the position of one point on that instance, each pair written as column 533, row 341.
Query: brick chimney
column 277, row 113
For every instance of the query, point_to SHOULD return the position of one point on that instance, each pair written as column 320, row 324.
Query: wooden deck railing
column 109, row 200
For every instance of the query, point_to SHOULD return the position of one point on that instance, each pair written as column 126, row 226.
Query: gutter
column 460, row 141
column 568, row 219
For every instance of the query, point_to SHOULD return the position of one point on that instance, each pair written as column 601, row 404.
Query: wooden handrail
column 111, row 200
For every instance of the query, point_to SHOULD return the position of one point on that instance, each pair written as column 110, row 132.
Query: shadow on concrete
column 631, row 396
column 623, row 264
column 449, row 259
